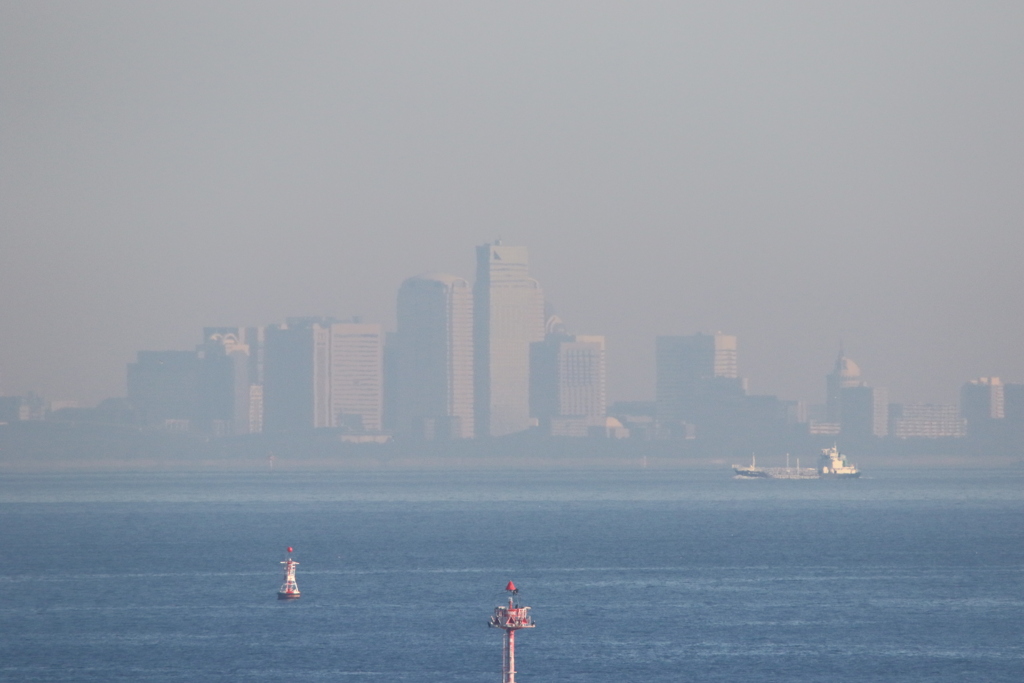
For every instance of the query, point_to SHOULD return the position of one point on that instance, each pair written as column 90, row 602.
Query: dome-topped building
column 847, row 371
column 860, row 411
column 845, row 374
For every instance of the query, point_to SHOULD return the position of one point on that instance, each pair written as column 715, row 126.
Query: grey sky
column 790, row 172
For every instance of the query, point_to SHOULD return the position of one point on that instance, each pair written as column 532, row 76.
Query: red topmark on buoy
column 289, row 548
column 510, row 587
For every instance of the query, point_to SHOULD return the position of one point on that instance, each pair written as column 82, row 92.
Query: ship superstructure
column 510, row 618
column 289, row 589
column 834, row 464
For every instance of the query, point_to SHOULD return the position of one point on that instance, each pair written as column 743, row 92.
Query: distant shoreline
column 55, row 447
column 440, row 464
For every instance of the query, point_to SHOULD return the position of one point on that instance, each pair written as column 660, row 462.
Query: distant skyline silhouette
column 791, row 174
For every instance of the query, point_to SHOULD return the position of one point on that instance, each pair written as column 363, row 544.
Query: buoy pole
column 510, row 661
column 510, row 619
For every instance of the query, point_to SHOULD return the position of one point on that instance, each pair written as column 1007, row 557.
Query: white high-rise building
column 925, row 421
column 434, row 357
column 356, row 376
column 508, row 315
column 568, row 384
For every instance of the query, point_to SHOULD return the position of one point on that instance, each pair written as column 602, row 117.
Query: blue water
column 632, row 576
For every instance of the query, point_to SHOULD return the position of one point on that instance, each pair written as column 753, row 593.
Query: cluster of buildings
column 465, row 361
column 700, row 394
column 987, row 407
column 488, row 359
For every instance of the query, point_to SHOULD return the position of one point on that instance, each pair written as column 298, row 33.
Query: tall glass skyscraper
column 297, row 376
column 697, row 376
column 508, row 315
column 434, row 357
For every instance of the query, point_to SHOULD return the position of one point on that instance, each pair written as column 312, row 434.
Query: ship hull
column 748, row 473
column 764, row 474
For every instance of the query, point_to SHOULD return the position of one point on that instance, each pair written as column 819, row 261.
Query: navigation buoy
column 289, row 589
column 510, row 619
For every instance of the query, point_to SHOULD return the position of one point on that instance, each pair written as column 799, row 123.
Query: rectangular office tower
column 925, row 421
column 356, row 376
column 864, row 412
column 695, row 374
column 982, row 402
column 508, row 315
column 319, row 372
column 296, row 375
column 433, row 357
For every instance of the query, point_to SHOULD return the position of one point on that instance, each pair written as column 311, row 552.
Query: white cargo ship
column 832, row 464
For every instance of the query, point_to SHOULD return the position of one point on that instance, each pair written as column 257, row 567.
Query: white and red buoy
column 510, row 618
column 289, row 589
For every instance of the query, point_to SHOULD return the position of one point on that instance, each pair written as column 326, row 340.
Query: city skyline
column 492, row 359
column 845, row 375
column 792, row 175
column 453, row 337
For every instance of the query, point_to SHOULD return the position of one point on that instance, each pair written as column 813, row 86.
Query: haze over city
column 790, row 173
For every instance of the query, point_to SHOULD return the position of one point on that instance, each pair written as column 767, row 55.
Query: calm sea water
column 632, row 576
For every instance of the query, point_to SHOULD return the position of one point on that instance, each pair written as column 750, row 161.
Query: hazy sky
column 794, row 173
